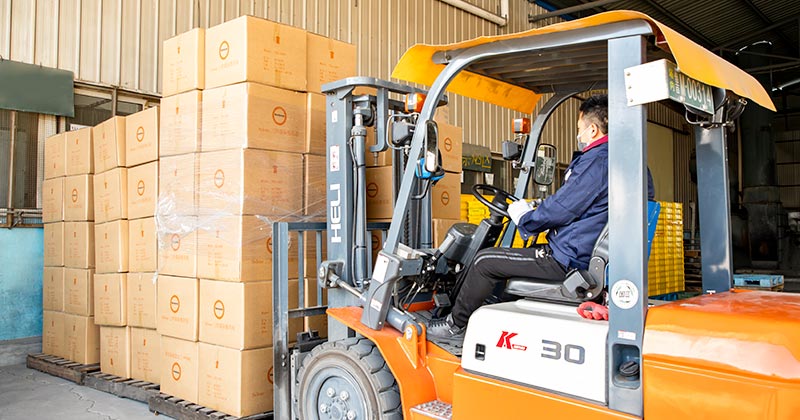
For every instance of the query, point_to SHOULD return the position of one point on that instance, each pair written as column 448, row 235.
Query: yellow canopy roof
column 417, row 65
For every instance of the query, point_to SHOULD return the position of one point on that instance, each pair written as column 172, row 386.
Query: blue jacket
column 578, row 211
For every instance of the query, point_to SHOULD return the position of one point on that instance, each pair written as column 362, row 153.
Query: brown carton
column 143, row 190
column 145, row 355
column 111, row 195
column 178, row 178
column 249, row 49
column 82, row 339
column 315, row 124
column 179, row 128
column 53, row 200
column 53, row 289
column 179, row 363
column 54, row 244
column 177, row 246
column 446, row 198
column 440, row 228
column 78, row 198
column 55, row 156
column 177, row 307
column 53, row 334
column 235, row 382
column 141, row 137
column 111, row 247
column 450, row 142
column 115, row 345
column 109, row 144
column 314, row 186
column 79, row 291
column 329, row 60
column 80, row 156
column 110, row 299
column 379, row 193
column 184, row 62
column 79, row 244
column 250, row 115
column 239, row 248
column 142, row 296
column 245, row 181
column 143, row 245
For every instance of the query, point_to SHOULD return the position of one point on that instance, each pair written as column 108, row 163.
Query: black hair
column 595, row 111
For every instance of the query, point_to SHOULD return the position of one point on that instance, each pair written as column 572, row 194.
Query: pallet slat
column 175, row 407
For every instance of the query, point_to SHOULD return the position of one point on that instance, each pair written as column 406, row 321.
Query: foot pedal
column 434, row 409
column 441, row 300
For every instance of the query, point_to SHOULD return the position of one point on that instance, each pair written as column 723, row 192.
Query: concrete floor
column 32, row 395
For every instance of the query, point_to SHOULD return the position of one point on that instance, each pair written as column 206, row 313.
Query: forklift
column 724, row 354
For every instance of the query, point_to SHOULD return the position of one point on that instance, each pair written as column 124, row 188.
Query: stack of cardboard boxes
column 68, row 213
column 236, row 143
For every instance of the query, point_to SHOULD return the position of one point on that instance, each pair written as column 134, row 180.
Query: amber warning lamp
column 414, row 102
column 521, row 125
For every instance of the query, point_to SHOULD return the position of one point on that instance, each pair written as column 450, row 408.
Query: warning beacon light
column 414, row 102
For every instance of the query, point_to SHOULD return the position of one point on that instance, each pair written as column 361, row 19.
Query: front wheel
column 347, row 380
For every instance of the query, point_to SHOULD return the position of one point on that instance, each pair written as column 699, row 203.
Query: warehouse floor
column 30, row 394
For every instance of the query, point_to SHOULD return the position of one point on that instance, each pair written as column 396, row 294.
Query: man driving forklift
column 575, row 215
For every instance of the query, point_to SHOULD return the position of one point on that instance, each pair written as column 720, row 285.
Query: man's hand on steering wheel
column 498, row 205
column 517, row 209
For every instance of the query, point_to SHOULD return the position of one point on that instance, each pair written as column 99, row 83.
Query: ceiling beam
column 753, row 34
column 766, row 20
column 682, row 24
column 569, row 10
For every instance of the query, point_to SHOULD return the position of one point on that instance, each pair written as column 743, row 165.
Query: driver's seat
column 580, row 285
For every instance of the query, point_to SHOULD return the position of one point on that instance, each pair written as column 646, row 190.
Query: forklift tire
column 347, row 380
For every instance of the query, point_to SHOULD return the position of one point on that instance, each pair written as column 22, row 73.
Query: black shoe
column 445, row 329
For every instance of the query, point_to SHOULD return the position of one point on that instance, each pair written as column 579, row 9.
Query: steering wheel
column 499, row 204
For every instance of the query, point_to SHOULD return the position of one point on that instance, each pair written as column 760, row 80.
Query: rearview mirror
column 545, row 168
column 431, row 146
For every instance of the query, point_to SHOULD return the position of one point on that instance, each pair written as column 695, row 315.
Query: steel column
column 280, row 320
column 627, row 220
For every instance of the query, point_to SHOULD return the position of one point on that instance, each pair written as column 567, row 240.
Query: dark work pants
column 495, row 265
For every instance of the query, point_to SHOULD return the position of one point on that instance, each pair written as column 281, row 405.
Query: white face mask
column 582, row 145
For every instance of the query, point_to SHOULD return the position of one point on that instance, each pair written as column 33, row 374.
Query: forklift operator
column 575, row 215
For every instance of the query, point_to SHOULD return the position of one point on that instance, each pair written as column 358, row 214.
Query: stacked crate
column 53, row 217
column 665, row 270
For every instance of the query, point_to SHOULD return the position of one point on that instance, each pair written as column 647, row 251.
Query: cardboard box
column 53, row 200
column 177, row 307
column 315, row 124
column 450, row 145
column 143, row 245
column 79, row 198
column 239, row 248
column 177, row 185
column 235, row 382
column 53, row 289
column 446, row 197
column 55, row 156
column 80, row 155
column 143, row 190
column 110, row 299
column 115, row 346
column 82, row 339
column 79, row 244
column 442, row 114
column 79, row 291
column 179, row 364
column 141, row 137
column 142, row 297
column 109, row 144
column 314, row 186
column 380, row 204
column 53, row 333
column 111, row 195
column 177, row 246
column 111, row 248
column 250, row 115
column 239, row 315
column 245, row 181
column 249, row 49
column 329, row 60
column 145, row 354
column 53, row 244
column 179, row 128
column 184, row 62
column 440, row 228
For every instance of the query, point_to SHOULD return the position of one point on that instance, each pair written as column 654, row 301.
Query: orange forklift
column 724, row 354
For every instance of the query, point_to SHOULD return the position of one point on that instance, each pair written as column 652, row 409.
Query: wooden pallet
column 186, row 410
column 777, row 288
column 132, row 389
column 62, row 368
